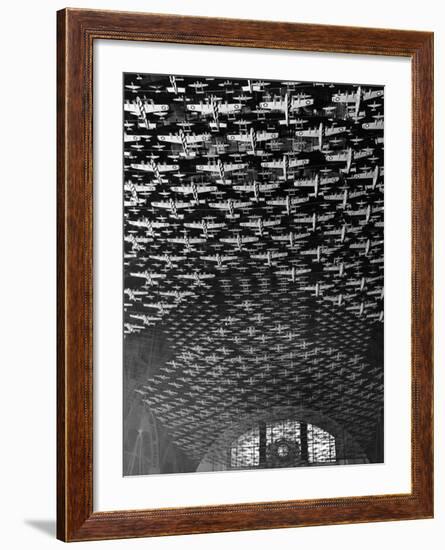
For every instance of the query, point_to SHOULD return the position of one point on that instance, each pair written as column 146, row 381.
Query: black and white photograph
column 253, row 270
column 223, row 259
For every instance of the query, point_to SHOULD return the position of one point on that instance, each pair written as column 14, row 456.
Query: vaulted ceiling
column 253, row 261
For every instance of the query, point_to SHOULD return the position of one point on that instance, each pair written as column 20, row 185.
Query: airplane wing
column 197, row 138
column 277, row 202
column 298, row 162
column 208, row 167
column 312, row 133
column 375, row 125
column 243, row 187
column 335, row 197
column 360, row 212
column 280, row 237
column 296, row 200
column 229, row 108
column 170, row 139
column 344, row 97
column 273, row 164
column 132, row 108
column 182, row 189
column 167, row 167
column 335, row 130
column 177, row 258
column 278, row 254
column 337, row 157
column 372, row 94
column 233, row 167
column 356, row 194
column 305, row 183
column 265, row 136
column 361, row 175
column 204, row 109
column 239, row 137
column 210, row 225
column 298, row 102
column 206, row 188
column 147, row 167
column 273, row 105
column 141, row 188
column 215, row 225
column 210, row 258
column 152, row 108
column 179, row 240
column 268, row 186
column 325, row 181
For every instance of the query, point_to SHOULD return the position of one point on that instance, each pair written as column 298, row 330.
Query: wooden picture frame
column 77, row 31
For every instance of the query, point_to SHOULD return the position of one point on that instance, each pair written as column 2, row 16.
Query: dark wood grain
column 77, row 30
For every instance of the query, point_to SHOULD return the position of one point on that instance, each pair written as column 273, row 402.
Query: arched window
column 282, row 443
